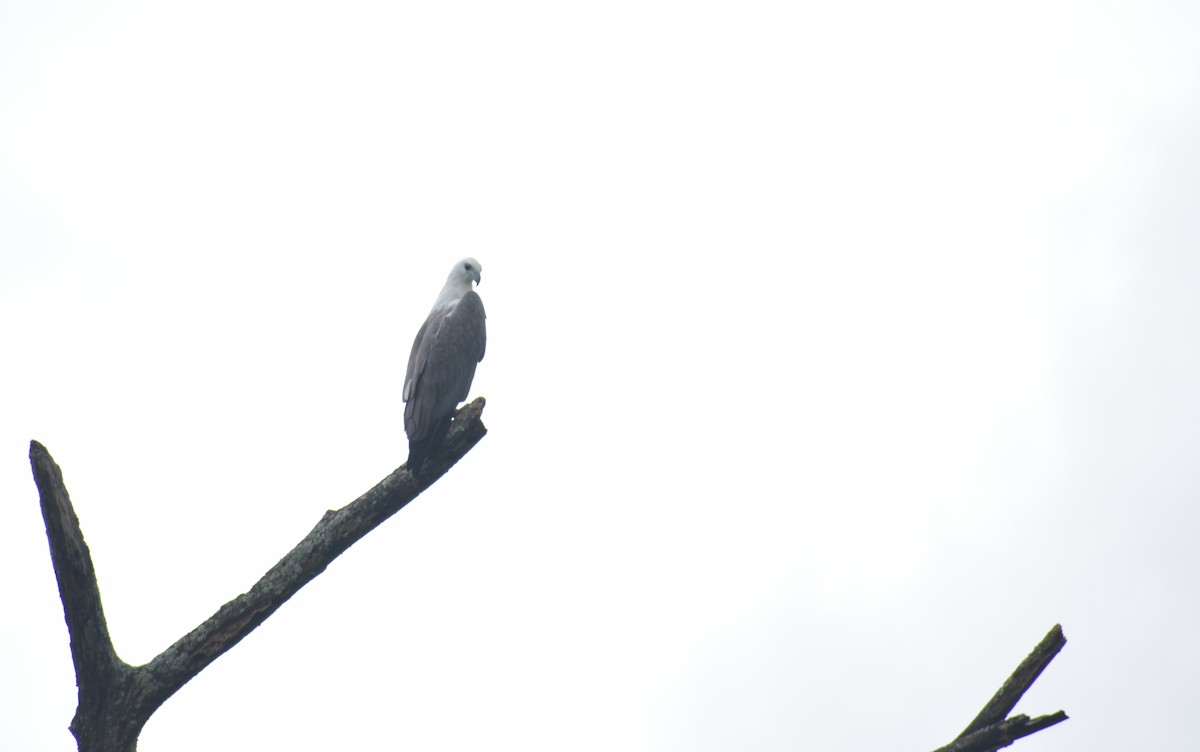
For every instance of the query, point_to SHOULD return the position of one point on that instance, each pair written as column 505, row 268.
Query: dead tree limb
column 999, row 735
column 992, row 729
column 115, row 698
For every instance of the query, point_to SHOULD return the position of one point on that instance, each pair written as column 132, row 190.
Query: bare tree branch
column 116, row 699
column 99, row 673
column 1022, row 679
column 1003, row 733
column 991, row 730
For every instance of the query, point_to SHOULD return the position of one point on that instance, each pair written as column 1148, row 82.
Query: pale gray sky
column 836, row 352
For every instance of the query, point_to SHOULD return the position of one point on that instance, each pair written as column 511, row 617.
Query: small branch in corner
column 992, row 729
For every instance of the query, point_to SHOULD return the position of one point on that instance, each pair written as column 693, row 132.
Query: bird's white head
column 466, row 269
column 458, row 283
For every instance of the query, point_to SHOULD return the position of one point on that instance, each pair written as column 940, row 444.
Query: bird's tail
column 421, row 449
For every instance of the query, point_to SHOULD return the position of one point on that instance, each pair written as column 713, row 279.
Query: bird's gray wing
column 416, row 359
column 442, row 365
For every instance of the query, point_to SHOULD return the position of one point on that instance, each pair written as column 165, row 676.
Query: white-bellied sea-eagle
column 448, row 347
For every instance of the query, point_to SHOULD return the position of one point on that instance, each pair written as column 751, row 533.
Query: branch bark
column 115, row 698
column 1006, row 698
column 999, row 735
column 992, row 729
column 100, row 675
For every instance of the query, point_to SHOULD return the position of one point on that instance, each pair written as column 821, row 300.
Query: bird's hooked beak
column 477, row 277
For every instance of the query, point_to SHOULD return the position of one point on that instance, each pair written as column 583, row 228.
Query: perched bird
column 448, row 347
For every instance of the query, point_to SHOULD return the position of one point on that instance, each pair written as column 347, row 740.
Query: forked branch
column 992, row 729
column 115, row 698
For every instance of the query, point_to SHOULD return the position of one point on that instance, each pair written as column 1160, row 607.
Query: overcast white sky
column 837, row 351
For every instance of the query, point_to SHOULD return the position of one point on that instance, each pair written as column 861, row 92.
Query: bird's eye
column 467, row 267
